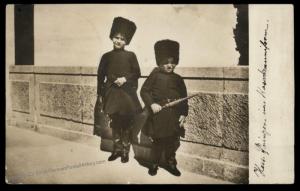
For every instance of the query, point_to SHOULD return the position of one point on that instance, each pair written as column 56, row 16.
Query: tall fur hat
column 123, row 26
column 165, row 49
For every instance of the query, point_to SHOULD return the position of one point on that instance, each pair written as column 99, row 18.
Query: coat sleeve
column 101, row 73
column 135, row 69
column 184, row 108
column 147, row 88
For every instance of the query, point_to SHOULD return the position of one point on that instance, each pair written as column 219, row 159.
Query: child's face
column 169, row 65
column 119, row 41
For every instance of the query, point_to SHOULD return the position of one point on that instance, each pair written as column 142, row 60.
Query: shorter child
column 163, row 86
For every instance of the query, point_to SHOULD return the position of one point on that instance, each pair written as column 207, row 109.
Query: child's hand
column 99, row 99
column 120, row 81
column 181, row 120
column 155, row 107
column 150, row 139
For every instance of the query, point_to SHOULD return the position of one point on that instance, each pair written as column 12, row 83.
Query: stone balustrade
column 60, row 101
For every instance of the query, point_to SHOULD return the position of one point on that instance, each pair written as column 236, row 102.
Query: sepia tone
column 56, row 93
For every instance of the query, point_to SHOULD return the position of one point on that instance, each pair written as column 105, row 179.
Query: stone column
column 241, row 34
column 24, row 37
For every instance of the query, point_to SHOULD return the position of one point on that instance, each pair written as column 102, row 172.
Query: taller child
column 118, row 74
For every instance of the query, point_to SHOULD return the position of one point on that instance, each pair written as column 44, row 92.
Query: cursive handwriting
column 261, row 90
column 261, row 142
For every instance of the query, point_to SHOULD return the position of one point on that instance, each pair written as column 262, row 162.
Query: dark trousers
column 120, row 125
column 167, row 145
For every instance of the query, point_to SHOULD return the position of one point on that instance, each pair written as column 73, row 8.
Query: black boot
column 171, row 168
column 114, row 156
column 153, row 170
column 124, row 158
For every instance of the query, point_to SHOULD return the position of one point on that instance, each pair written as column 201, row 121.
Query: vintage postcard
column 149, row 94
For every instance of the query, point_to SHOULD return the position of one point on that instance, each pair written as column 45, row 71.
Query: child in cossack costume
column 118, row 74
column 163, row 86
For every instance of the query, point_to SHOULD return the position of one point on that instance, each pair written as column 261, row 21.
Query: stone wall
column 60, row 101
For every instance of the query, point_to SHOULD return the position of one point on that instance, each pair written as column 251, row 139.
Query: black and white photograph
column 149, row 94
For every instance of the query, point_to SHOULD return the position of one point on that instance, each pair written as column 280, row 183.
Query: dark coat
column 122, row 100
column 161, row 87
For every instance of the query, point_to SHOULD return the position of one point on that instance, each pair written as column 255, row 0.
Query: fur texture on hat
column 123, row 26
column 165, row 49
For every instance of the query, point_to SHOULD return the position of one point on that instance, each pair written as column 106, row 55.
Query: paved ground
column 36, row 158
